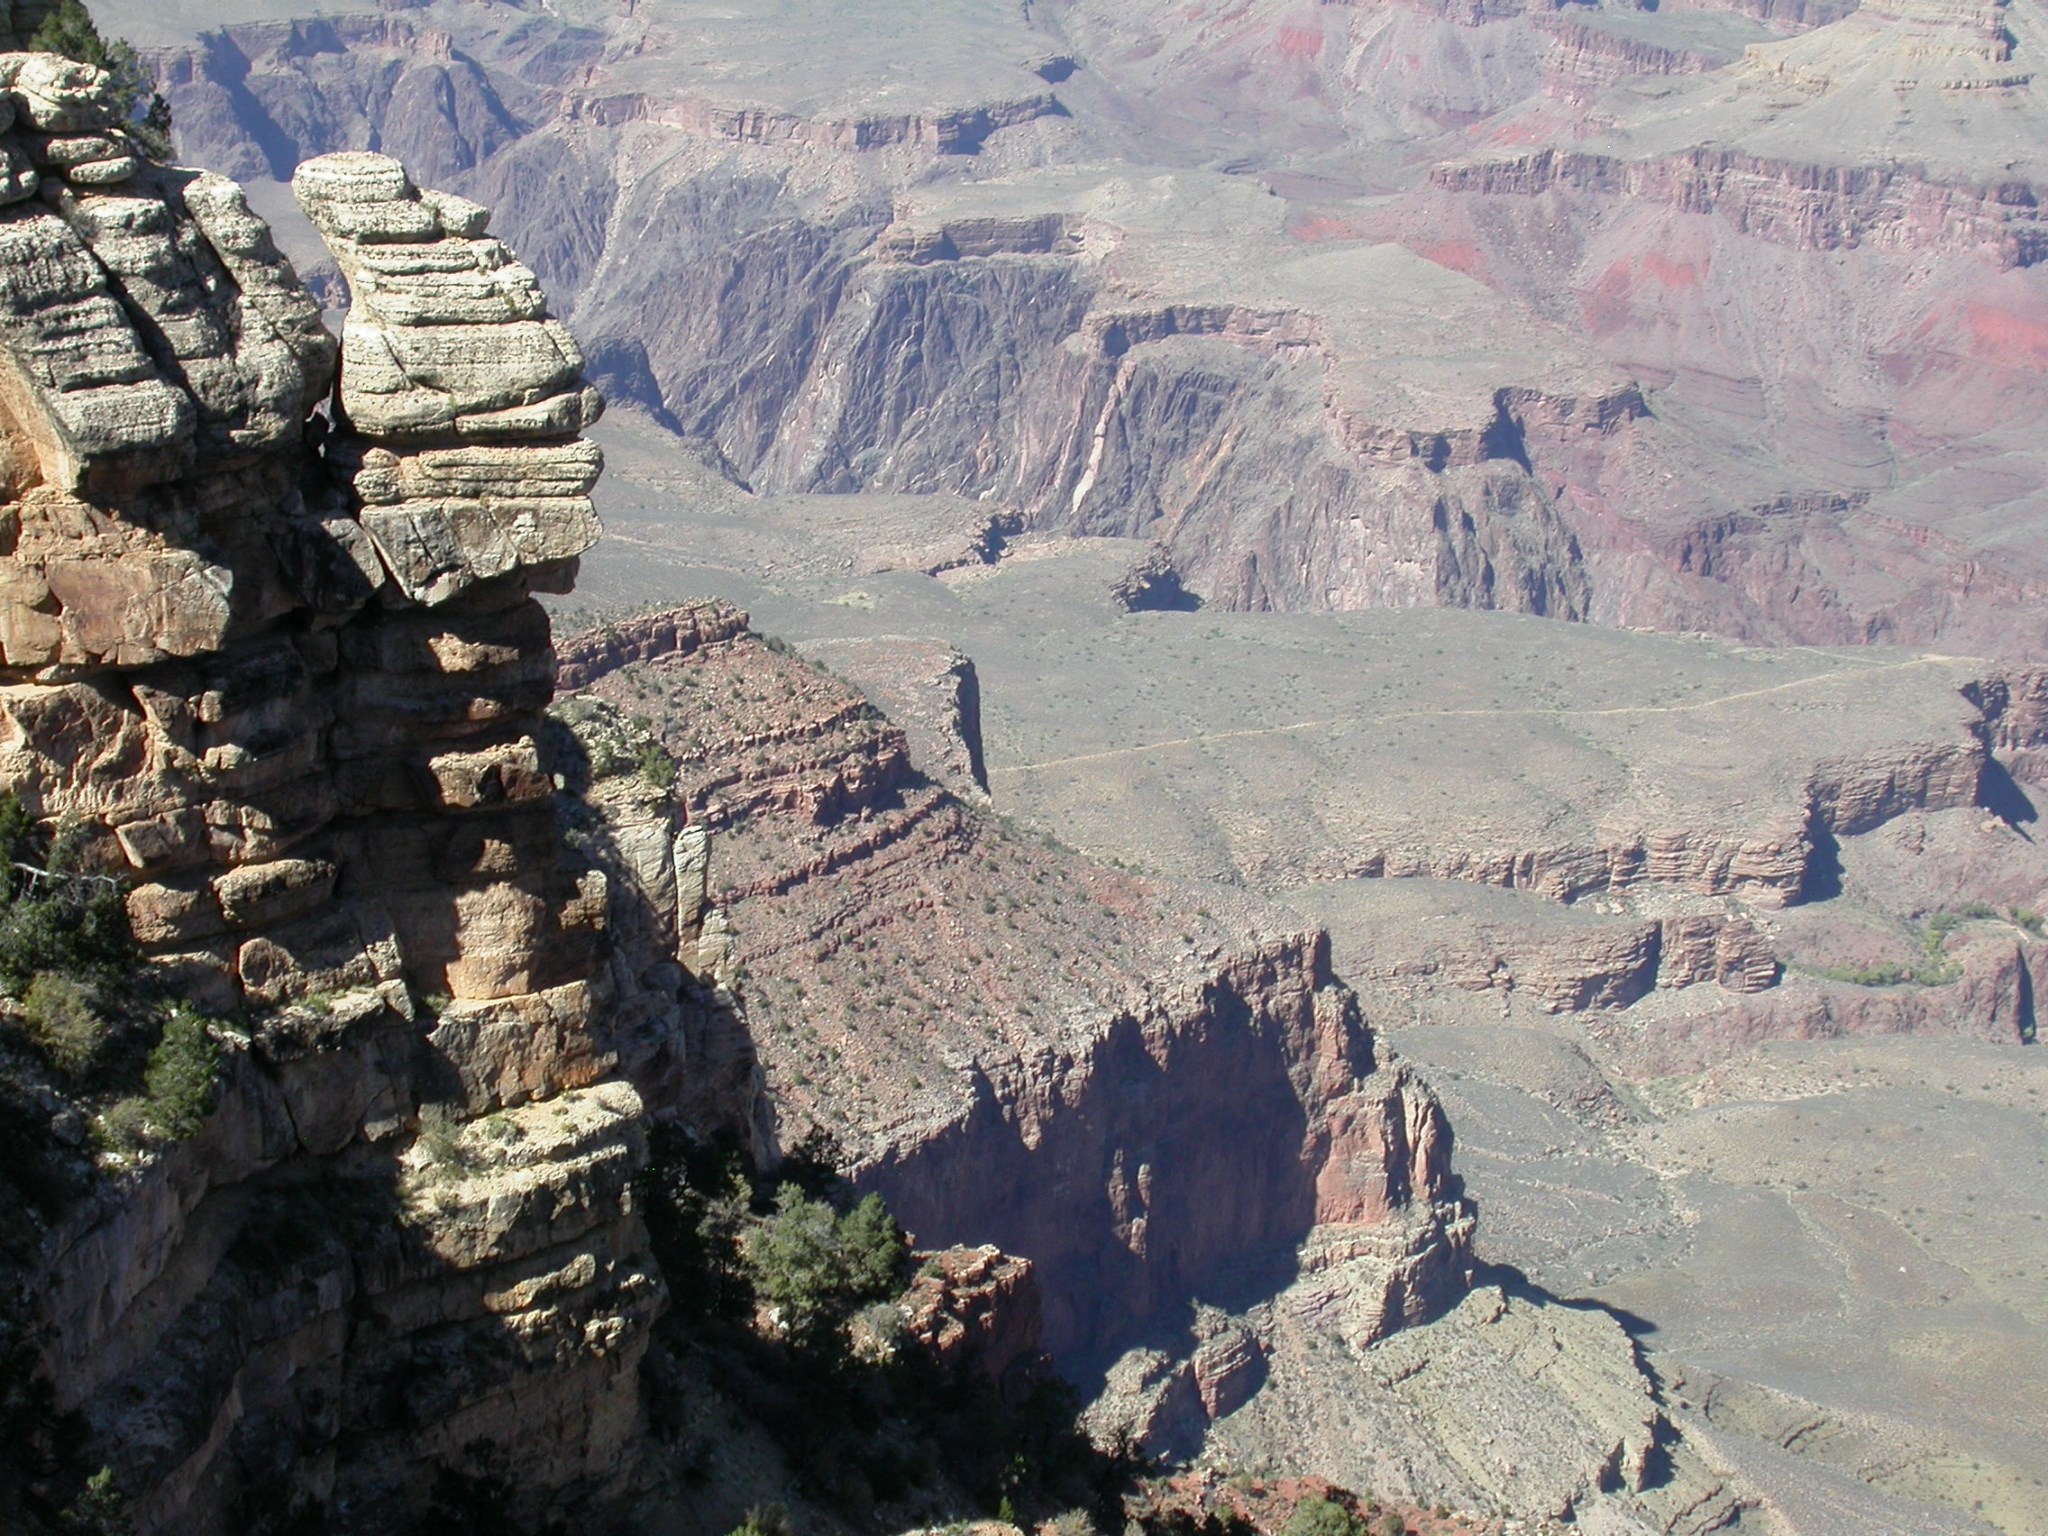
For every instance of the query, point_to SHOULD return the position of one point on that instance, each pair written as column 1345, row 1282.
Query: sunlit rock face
column 271, row 642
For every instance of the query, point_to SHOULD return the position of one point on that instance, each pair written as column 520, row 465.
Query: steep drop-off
column 272, row 648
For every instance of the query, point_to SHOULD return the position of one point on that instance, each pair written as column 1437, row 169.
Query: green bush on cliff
column 59, row 1018
column 1322, row 1517
column 816, row 1267
column 858, row 1420
column 177, row 1088
column 55, row 916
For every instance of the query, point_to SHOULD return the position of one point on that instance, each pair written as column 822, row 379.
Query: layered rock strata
column 274, row 650
column 1151, row 1095
column 853, row 283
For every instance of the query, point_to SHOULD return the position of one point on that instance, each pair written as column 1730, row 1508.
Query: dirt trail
column 1448, row 714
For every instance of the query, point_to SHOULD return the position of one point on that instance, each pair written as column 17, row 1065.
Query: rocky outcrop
column 976, row 1310
column 288, row 682
column 2015, row 706
column 1511, row 1401
column 1586, row 57
column 584, row 658
column 1148, row 1097
column 1805, row 205
column 1152, row 584
column 932, row 691
column 1989, row 998
column 464, row 396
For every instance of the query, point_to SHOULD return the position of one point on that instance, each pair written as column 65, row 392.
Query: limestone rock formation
column 466, row 395
column 1144, row 1093
column 277, row 656
column 933, row 692
column 977, row 1309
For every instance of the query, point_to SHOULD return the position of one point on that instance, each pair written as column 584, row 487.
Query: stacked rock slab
column 278, row 654
column 465, row 395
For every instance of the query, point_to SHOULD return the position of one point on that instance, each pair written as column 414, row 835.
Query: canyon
column 1664, row 922
column 279, row 673
column 1227, row 589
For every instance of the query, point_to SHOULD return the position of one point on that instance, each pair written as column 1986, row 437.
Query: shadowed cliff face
column 284, row 672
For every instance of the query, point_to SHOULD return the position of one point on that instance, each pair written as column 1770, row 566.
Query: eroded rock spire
column 275, row 654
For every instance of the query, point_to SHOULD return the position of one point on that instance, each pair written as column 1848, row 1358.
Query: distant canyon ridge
column 1703, row 317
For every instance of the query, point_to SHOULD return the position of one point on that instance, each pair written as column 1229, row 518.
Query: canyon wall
column 1156, row 1096
column 825, row 292
column 272, row 647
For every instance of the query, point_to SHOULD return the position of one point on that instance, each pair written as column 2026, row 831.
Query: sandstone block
column 330, row 563
column 104, row 173
column 352, row 176
column 574, row 410
column 458, row 215
column 502, row 939
column 390, row 223
column 74, row 750
column 348, row 946
column 434, row 549
column 163, row 915
column 57, row 94
column 341, row 1063
column 562, row 1174
column 269, row 286
column 503, row 775
column 530, row 1046
column 259, row 895
column 65, row 150
column 480, row 472
column 270, row 821
column 450, row 640
column 489, row 291
column 396, row 373
column 172, row 841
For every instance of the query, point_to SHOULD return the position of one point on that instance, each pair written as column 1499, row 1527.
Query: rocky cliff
column 271, row 648
column 276, row 669
column 1152, row 1098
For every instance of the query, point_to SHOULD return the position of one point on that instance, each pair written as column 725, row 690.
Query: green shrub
column 794, row 1261
column 655, row 766
column 177, row 1089
column 53, row 916
column 178, row 1082
column 99, row 1510
column 874, row 1249
column 123, row 1126
column 815, row 1266
column 440, row 1140
column 59, row 1018
column 765, row 1520
column 1322, row 1517
column 1883, row 974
